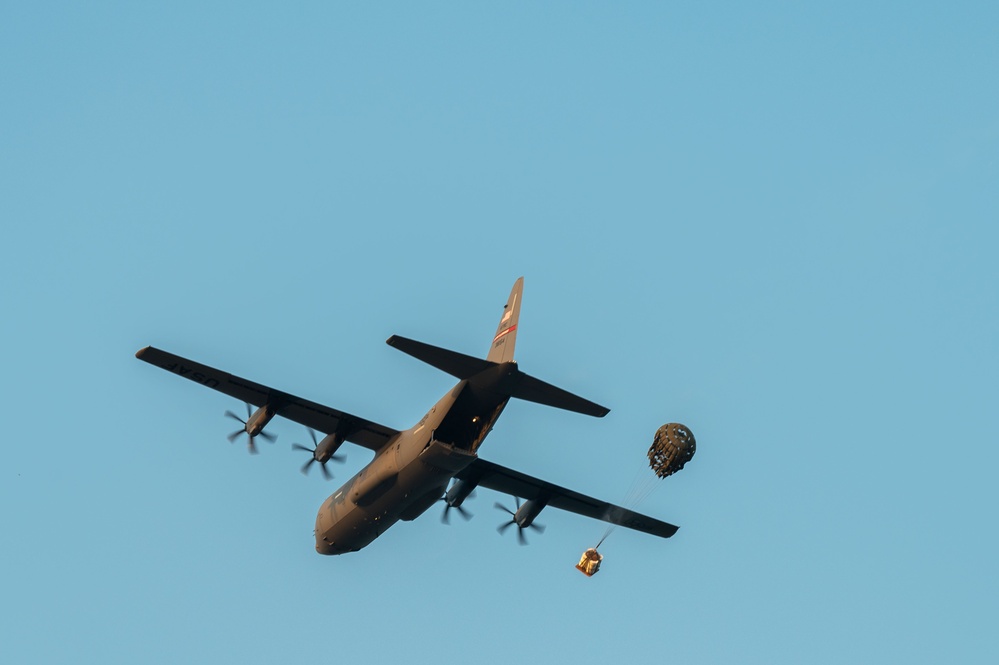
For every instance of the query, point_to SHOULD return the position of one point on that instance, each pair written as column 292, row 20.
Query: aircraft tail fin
column 501, row 350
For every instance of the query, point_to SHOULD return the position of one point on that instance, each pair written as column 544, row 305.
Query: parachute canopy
column 672, row 447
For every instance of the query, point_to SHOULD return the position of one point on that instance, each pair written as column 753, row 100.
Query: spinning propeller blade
column 251, row 445
column 317, row 456
column 447, row 507
column 521, row 538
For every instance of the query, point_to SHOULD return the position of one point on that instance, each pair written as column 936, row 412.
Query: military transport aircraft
column 412, row 468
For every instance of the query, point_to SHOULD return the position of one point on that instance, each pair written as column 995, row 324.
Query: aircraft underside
column 411, row 474
column 411, row 469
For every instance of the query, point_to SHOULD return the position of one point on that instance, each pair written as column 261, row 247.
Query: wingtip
column 141, row 352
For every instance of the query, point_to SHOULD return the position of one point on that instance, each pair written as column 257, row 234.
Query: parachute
column 672, row 447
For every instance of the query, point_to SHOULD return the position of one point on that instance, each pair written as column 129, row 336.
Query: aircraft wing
column 320, row 418
column 499, row 478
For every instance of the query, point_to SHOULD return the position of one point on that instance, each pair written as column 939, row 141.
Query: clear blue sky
column 774, row 223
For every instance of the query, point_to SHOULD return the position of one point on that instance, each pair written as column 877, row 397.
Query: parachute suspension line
column 639, row 487
column 631, row 488
column 672, row 447
column 642, row 485
column 648, row 486
column 604, row 537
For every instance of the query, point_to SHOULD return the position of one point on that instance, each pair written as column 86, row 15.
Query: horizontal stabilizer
column 535, row 390
column 456, row 364
column 515, row 383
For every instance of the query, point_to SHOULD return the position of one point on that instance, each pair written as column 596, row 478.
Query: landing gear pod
column 589, row 563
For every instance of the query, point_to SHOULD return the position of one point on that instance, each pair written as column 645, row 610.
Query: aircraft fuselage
column 411, row 469
column 411, row 472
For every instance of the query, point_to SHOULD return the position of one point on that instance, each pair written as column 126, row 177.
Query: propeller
column 267, row 436
column 521, row 538
column 317, row 456
column 461, row 510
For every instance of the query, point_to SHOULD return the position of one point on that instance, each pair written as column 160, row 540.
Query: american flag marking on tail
column 504, row 332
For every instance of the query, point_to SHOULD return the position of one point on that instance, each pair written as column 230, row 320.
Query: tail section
column 498, row 373
column 506, row 333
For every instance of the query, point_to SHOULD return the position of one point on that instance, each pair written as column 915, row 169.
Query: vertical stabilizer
column 501, row 350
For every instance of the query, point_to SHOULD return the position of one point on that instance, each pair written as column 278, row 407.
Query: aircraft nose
column 324, row 524
column 323, row 547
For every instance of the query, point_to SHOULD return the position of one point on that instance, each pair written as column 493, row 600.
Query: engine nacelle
column 256, row 423
column 527, row 513
column 459, row 491
column 327, row 448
